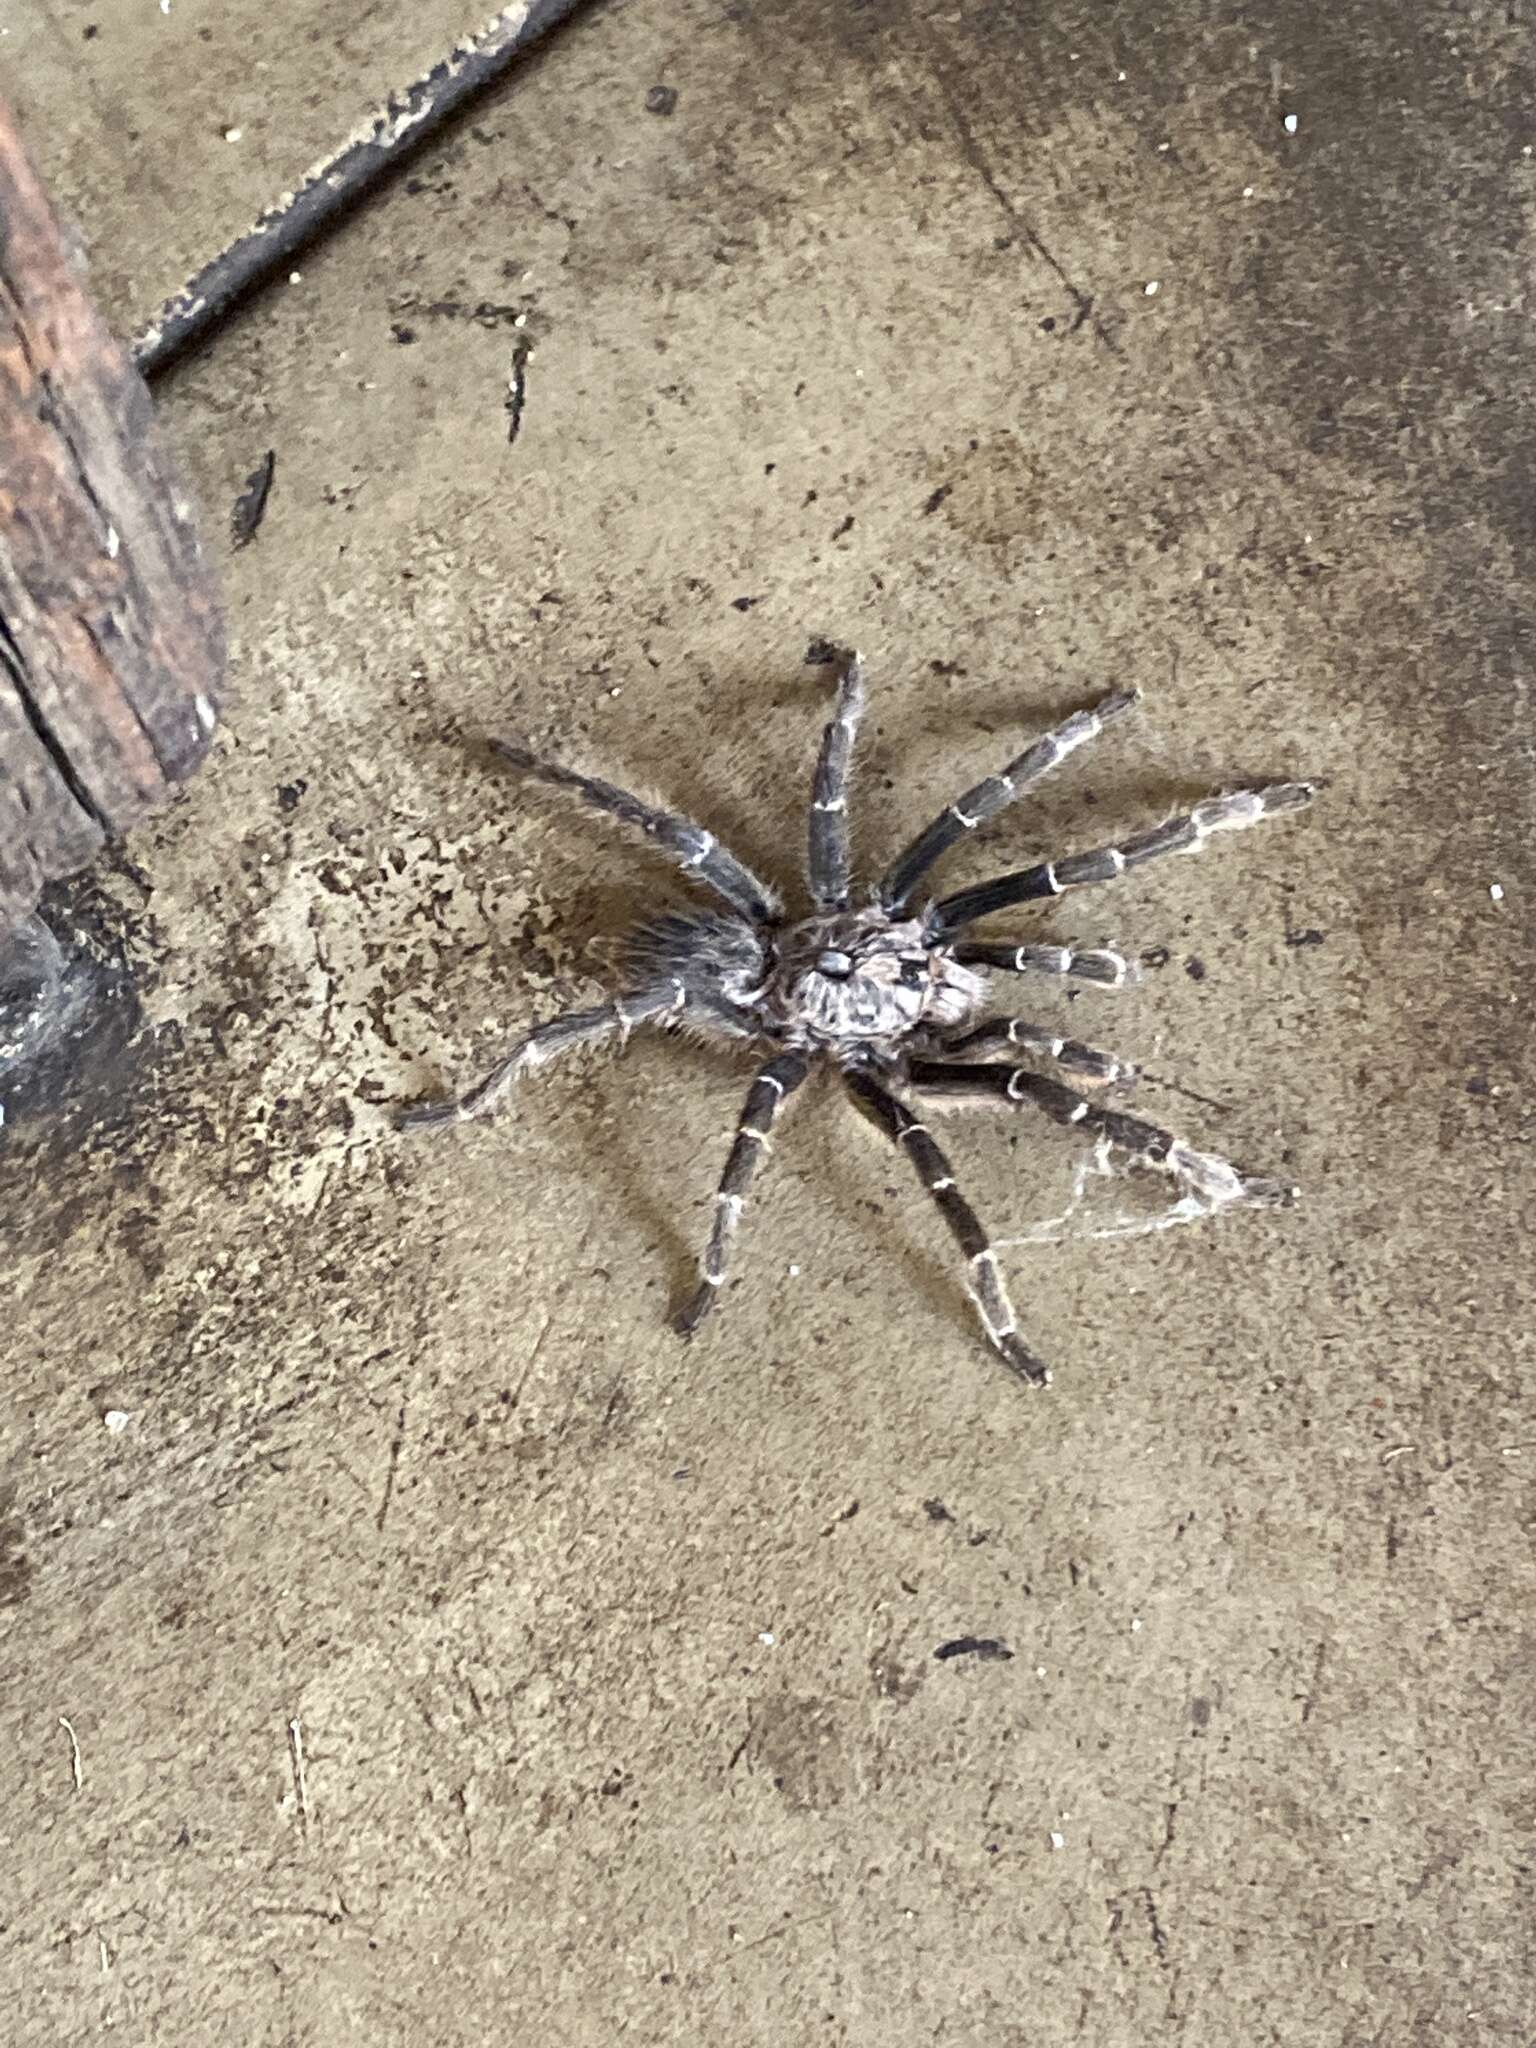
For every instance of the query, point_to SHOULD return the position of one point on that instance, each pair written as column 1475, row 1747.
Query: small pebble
column 766, row 1639
column 1290, row 124
column 233, row 134
column 1058, row 1841
column 117, row 1420
column 1496, row 891
column 1152, row 288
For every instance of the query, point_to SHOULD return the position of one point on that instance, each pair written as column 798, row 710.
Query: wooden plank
column 111, row 630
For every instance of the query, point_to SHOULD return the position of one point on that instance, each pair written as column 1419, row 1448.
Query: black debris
column 987, row 1648
column 516, row 400
column 250, row 507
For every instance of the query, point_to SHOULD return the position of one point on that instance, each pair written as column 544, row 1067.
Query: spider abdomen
column 859, row 977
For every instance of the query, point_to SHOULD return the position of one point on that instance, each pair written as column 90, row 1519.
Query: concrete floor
column 440, row 1653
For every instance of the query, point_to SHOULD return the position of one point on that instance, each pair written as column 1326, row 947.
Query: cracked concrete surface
column 445, row 1654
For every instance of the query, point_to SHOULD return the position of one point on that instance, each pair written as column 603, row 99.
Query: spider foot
column 693, row 1311
column 1262, row 1193
column 1020, row 1359
column 429, row 1116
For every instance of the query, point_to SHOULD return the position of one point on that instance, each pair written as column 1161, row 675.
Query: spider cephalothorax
column 888, row 994
column 861, row 978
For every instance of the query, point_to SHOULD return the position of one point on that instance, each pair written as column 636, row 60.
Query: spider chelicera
column 886, row 989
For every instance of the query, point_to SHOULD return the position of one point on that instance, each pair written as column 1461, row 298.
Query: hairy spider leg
column 546, row 1042
column 1019, row 1034
column 698, row 852
column 1186, row 833
column 983, row 1278
column 829, row 859
column 765, row 1098
column 982, row 803
column 1097, row 963
column 1208, row 1175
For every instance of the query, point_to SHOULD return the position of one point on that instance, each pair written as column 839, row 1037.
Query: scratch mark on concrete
column 1154, row 1924
column 778, row 1933
column 517, row 386
column 1170, row 1815
column 533, row 1357
column 1189, row 1094
column 976, row 157
column 394, row 1467
column 1309, row 1698
column 300, row 1785
column 75, row 1768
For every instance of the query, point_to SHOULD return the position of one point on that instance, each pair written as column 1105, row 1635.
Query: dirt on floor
column 406, row 1639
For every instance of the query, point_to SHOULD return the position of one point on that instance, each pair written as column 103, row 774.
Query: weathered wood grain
column 111, row 632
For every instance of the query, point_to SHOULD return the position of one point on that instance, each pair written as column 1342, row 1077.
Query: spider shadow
column 628, row 1171
column 1116, row 781
column 890, row 799
column 864, row 1192
column 895, row 1229
column 758, row 805
column 753, row 792
column 872, row 1187
column 605, row 880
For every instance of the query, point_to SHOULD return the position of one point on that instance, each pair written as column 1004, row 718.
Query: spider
column 885, row 987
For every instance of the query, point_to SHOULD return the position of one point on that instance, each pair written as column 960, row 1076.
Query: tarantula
column 885, row 989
